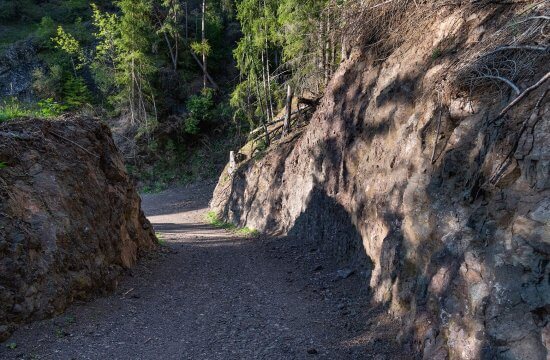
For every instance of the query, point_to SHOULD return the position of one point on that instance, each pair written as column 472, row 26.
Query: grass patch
column 213, row 219
column 436, row 54
column 160, row 239
column 13, row 109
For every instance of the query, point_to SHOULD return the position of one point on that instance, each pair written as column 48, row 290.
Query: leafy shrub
column 201, row 47
column 201, row 109
column 50, row 108
column 48, row 85
column 46, row 30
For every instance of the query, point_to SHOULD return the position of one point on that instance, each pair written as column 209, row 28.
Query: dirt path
column 213, row 295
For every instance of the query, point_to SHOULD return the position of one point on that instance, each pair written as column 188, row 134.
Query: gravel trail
column 211, row 294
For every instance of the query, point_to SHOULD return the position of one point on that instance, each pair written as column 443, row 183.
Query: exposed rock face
column 70, row 218
column 16, row 68
column 462, row 261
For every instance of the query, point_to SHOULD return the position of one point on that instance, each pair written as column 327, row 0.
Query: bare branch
column 511, row 84
column 542, row 17
column 502, row 167
column 518, row 47
column 522, row 95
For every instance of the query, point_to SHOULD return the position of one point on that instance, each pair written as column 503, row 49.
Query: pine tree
column 134, row 62
column 124, row 52
column 170, row 28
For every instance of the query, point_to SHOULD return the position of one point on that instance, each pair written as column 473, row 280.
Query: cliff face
column 459, row 247
column 70, row 218
column 17, row 64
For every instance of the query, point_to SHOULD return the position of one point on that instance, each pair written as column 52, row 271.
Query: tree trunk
column 328, row 62
column 208, row 77
column 204, row 78
column 266, row 91
column 286, row 124
column 186, row 23
column 322, row 48
column 268, row 72
column 177, row 40
column 262, row 119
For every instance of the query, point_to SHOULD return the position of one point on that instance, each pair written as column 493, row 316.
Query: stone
column 345, row 273
column 318, row 268
column 312, row 351
column 53, row 221
column 358, row 182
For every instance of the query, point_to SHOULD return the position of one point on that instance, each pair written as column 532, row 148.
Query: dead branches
column 531, row 121
column 509, row 56
column 523, row 95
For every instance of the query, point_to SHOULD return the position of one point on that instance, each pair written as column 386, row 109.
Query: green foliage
column 46, row 31
column 67, row 43
column 213, row 219
column 107, row 32
column 75, row 93
column 12, row 108
column 49, row 108
column 17, row 10
column 48, row 85
column 201, row 47
column 160, row 239
column 201, row 109
column 3, row 165
column 124, row 62
column 170, row 26
column 11, row 345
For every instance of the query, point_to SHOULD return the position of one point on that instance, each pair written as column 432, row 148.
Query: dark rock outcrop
column 459, row 247
column 70, row 218
column 17, row 64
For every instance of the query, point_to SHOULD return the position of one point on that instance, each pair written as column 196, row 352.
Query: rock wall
column 17, row 64
column 70, row 218
column 459, row 254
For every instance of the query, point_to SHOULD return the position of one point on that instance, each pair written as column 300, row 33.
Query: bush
column 48, row 85
column 201, row 109
column 49, row 108
column 75, row 93
column 46, row 30
column 13, row 108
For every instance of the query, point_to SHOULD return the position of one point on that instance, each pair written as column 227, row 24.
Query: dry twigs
column 506, row 162
column 508, row 56
column 522, row 96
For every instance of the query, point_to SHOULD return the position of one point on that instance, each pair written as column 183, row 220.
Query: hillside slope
column 449, row 201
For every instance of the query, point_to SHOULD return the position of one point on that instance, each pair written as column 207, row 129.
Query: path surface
column 211, row 294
